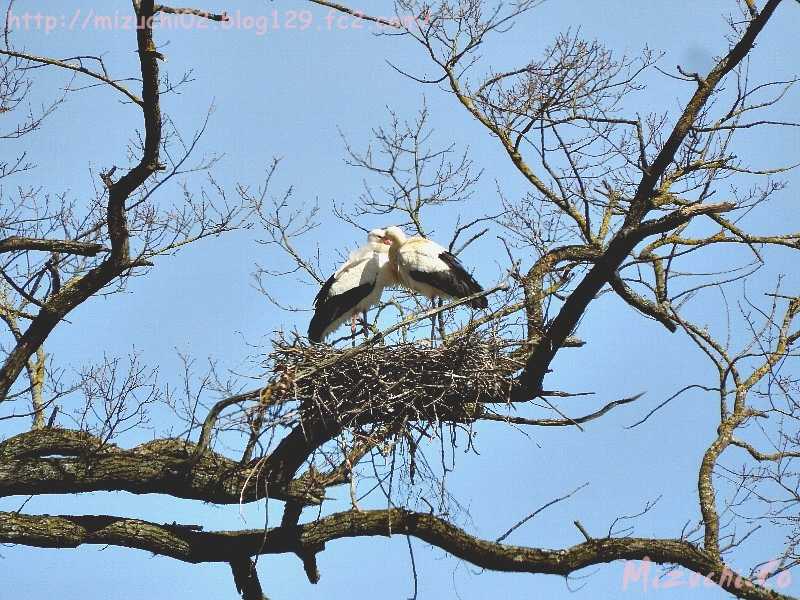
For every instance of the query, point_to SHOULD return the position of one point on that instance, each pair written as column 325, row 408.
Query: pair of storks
column 389, row 259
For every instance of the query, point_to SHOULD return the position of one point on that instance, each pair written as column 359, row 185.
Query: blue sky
column 288, row 93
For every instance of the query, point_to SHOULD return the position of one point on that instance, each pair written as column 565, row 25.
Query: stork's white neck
column 397, row 236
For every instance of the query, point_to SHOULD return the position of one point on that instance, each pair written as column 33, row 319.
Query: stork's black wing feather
column 455, row 282
column 330, row 308
column 324, row 290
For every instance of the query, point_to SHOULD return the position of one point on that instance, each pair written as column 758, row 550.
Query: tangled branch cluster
column 398, row 383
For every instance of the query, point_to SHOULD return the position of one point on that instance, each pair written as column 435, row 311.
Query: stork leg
column 353, row 328
column 366, row 327
column 433, row 324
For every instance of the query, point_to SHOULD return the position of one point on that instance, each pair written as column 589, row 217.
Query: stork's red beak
column 386, row 241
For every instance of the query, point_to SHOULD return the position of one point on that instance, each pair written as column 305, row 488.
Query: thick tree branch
column 763, row 456
column 189, row 544
column 58, row 461
column 246, row 578
column 202, row 14
column 17, row 244
column 642, row 304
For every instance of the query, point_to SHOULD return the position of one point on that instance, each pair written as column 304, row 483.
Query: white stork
column 354, row 288
column 426, row 267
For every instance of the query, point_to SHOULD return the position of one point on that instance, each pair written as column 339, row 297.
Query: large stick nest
column 406, row 381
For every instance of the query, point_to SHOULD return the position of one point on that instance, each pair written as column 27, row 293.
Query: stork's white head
column 376, row 236
column 394, row 235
